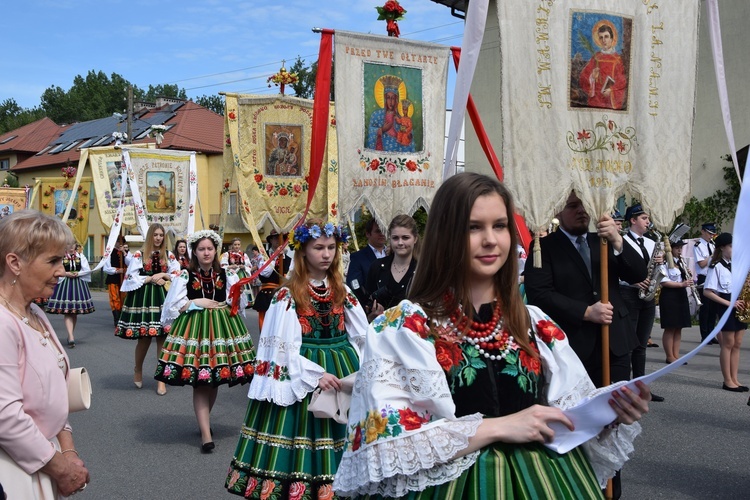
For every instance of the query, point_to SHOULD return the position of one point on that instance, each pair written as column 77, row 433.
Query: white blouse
column 133, row 278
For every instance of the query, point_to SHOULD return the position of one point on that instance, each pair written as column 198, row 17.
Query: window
column 88, row 248
column 233, row 209
column 4, row 164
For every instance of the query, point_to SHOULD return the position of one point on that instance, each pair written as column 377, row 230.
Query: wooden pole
column 604, row 293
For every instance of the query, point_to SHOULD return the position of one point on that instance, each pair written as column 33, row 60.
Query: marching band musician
column 704, row 248
column 674, row 308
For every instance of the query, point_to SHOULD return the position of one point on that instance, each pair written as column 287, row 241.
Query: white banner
column 390, row 121
column 598, row 97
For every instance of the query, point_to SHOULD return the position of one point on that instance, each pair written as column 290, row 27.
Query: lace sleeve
column 133, row 279
column 176, row 298
column 402, row 432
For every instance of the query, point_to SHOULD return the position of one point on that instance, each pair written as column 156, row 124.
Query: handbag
column 79, row 390
column 332, row 403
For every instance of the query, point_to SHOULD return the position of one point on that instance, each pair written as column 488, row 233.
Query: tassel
column 537, row 251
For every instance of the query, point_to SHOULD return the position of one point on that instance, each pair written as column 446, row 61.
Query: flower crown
column 303, row 234
column 193, row 238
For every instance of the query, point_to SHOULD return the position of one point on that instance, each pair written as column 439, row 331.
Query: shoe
column 137, row 375
column 161, row 388
column 207, row 447
column 71, row 344
column 732, row 389
column 748, row 402
column 652, row 344
column 656, row 399
column 744, row 388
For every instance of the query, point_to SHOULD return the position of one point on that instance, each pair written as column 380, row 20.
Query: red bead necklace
column 492, row 341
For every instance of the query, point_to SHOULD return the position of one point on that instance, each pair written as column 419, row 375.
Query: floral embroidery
column 269, row 485
column 389, row 166
column 196, row 285
column 548, row 331
column 271, row 369
column 296, row 490
column 386, row 423
column 325, row 491
column 448, row 354
column 252, row 483
column 418, row 324
column 525, row 369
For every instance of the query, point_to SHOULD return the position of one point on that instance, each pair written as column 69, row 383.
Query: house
column 43, row 148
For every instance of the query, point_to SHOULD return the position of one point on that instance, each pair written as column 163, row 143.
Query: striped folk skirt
column 284, row 451
column 70, row 296
column 206, row 348
column 141, row 313
column 527, row 472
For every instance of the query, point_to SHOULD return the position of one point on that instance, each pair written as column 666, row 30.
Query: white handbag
column 79, row 390
column 332, row 403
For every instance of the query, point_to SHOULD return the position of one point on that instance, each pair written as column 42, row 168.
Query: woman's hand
column 69, row 473
column 328, row 381
column 375, row 311
column 207, row 303
column 629, row 406
column 529, row 425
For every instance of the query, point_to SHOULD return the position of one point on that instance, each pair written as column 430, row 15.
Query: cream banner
column 106, row 164
column 390, row 117
column 598, row 97
column 13, row 199
column 270, row 150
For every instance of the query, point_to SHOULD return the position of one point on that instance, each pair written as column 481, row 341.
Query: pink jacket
column 33, row 392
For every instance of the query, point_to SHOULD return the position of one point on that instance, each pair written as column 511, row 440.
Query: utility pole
column 130, row 114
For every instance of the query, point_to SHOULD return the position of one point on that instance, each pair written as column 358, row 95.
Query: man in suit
column 568, row 288
column 360, row 261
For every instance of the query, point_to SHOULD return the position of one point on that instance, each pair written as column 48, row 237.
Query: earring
column 13, row 283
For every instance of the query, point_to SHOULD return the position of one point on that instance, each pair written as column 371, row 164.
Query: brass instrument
column 693, row 289
column 654, row 273
column 744, row 315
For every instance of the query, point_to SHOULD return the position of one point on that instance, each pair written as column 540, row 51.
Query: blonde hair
column 29, row 233
column 148, row 243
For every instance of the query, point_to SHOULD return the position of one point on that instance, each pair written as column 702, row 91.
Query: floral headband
column 303, row 234
column 195, row 237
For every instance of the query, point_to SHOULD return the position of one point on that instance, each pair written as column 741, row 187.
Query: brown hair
column 148, row 243
column 446, row 240
column 194, row 266
column 407, row 222
column 28, row 233
column 301, row 276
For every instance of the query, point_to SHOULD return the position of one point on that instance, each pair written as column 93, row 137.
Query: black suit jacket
column 563, row 289
column 359, row 268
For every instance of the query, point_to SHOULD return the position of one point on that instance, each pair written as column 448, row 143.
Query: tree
column 305, row 86
column 213, row 102
column 165, row 90
column 92, row 97
column 13, row 116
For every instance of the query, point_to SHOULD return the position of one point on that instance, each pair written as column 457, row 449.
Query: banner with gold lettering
column 269, row 139
column 55, row 194
column 13, row 199
column 598, row 97
column 390, row 117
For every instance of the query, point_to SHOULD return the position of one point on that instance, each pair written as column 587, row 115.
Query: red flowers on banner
column 391, row 12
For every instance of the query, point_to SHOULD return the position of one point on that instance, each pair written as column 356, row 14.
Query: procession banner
column 165, row 187
column 390, row 118
column 57, row 192
column 598, row 98
column 270, row 147
column 13, row 199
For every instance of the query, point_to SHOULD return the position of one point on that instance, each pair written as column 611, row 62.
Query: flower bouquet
column 283, row 77
column 69, row 171
column 391, row 12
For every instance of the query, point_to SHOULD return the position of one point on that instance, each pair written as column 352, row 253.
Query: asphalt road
column 139, row 445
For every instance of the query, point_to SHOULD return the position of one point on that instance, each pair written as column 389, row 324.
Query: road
column 139, row 445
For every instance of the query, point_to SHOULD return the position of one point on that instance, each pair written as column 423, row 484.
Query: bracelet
column 70, row 450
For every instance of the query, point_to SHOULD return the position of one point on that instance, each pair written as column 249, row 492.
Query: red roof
column 31, row 138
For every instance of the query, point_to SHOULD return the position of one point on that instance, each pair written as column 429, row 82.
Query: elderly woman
column 37, row 456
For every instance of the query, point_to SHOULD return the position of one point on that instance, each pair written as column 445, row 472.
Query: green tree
column 165, row 90
column 92, row 97
column 719, row 207
column 305, row 86
column 13, row 116
column 213, row 102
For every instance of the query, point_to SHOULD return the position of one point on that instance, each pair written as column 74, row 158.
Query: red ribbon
column 391, row 27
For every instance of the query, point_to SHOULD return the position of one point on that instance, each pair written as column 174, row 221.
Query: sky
column 205, row 47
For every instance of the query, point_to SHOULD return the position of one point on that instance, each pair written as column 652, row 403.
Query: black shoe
column 71, row 344
column 748, row 402
column 207, row 447
column 656, row 399
column 732, row 389
column 652, row 344
column 745, row 388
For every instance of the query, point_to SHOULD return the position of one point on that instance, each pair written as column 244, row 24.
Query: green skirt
column 284, row 451
column 141, row 313
column 206, row 348
column 530, row 471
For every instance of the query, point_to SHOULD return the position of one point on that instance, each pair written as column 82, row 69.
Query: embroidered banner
column 12, row 199
column 106, row 164
column 269, row 140
column 390, row 115
column 166, row 187
column 598, row 98
column 56, row 192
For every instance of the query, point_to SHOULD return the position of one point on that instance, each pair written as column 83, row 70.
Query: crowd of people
column 452, row 378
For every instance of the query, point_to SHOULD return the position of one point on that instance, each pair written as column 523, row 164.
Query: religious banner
column 165, row 187
column 269, row 139
column 13, row 199
column 390, row 118
column 106, row 164
column 598, row 97
column 56, row 192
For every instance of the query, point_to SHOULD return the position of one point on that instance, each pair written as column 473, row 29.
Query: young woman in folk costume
column 311, row 338
column 206, row 346
column 148, row 272
column 181, row 253
column 238, row 262
column 71, row 296
column 458, row 387
column 718, row 288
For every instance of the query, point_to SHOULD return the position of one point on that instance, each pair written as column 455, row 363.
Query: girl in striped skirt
column 459, row 386
column 71, row 296
column 206, row 346
column 311, row 338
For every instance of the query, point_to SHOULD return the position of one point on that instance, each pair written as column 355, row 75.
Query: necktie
column 646, row 256
column 583, row 249
column 726, row 264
